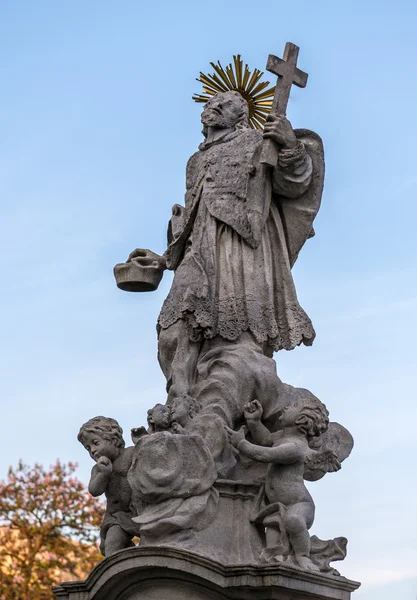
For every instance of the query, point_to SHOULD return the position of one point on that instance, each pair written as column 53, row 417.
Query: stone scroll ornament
column 229, row 447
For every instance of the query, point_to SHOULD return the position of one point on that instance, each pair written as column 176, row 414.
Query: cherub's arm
column 260, row 433
column 100, row 475
column 253, row 413
column 285, row 453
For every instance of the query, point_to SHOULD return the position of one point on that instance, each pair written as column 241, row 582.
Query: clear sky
column 96, row 126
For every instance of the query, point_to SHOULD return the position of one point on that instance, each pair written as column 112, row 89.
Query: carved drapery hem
column 206, row 319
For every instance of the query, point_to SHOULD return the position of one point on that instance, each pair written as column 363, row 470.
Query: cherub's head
column 102, row 436
column 308, row 414
column 183, row 408
column 159, row 418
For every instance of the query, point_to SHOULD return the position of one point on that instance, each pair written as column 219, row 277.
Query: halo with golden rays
column 236, row 78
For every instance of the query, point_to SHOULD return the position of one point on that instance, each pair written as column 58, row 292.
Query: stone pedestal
column 230, row 539
column 220, row 562
column 173, row 574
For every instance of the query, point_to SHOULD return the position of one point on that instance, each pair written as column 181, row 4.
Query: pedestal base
column 230, row 538
column 171, row 574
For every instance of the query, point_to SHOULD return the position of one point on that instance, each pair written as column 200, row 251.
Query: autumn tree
column 48, row 530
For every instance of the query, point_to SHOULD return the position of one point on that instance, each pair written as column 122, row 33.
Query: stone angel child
column 159, row 419
column 286, row 508
column 102, row 437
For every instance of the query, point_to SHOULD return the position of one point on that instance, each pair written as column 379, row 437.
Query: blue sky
column 96, row 126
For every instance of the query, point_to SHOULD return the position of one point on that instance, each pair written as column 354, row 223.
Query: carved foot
column 270, row 555
column 306, row 563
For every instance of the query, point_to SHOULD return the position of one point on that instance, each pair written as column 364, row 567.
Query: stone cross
column 286, row 70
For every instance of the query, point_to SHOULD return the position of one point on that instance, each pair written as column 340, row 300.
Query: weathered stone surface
column 172, row 574
column 172, row 477
column 230, row 538
column 219, row 472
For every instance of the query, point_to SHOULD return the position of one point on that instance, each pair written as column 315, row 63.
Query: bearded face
column 222, row 111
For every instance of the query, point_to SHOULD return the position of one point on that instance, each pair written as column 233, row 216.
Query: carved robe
column 233, row 246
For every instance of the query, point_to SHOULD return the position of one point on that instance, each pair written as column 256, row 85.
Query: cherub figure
column 286, row 508
column 102, row 437
column 159, row 418
column 183, row 409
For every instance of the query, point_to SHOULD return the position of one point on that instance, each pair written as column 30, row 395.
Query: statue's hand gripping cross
column 286, row 70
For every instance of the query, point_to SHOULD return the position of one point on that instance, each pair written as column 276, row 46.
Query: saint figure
column 232, row 246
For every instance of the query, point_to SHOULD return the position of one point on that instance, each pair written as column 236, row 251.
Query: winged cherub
column 286, row 508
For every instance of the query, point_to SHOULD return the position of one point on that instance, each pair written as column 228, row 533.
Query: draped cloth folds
column 235, row 271
column 172, row 479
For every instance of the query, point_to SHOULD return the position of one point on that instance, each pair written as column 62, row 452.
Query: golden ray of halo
column 236, row 78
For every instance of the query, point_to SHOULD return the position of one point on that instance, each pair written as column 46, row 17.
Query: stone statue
column 233, row 300
column 220, row 468
column 102, row 437
column 287, row 509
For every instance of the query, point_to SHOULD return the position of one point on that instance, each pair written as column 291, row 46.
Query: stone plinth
column 230, row 539
column 219, row 562
column 241, row 542
column 173, row 574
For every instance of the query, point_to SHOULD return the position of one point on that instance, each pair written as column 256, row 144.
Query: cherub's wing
column 319, row 463
column 336, row 440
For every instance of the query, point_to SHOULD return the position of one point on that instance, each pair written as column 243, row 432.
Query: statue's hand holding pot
column 142, row 272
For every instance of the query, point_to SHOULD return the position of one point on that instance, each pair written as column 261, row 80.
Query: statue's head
column 182, row 408
column 225, row 110
column 159, row 418
column 102, row 436
column 308, row 414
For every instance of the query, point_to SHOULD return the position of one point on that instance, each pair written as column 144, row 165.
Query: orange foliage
column 48, row 530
